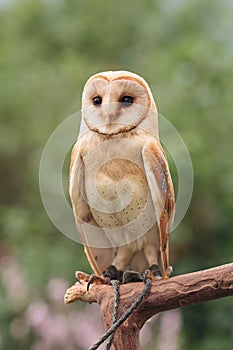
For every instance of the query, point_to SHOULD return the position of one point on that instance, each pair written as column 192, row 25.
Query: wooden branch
column 179, row 291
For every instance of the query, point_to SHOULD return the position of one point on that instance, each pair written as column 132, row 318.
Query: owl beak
column 109, row 119
column 110, row 113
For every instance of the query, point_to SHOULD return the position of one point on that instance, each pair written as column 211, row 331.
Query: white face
column 115, row 102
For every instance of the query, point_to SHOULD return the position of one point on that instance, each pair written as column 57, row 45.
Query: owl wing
column 99, row 258
column 162, row 193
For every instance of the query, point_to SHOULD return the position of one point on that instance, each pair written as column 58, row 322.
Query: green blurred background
column 48, row 49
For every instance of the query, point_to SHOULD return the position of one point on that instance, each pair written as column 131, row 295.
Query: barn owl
column 120, row 185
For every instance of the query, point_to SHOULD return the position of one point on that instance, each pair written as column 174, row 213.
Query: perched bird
column 120, row 185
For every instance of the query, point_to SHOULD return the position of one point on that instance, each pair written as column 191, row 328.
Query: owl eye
column 97, row 100
column 126, row 101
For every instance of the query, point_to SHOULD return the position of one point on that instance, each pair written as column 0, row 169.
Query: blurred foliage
column 48, row 50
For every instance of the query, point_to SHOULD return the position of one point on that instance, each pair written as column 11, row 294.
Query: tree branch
column 179, row 291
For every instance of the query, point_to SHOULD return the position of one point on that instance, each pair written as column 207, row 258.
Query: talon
column 148, row 274
column 153, row 273
column 168, row 272
column 81, row 276
column 90, row 279
column 94, row 279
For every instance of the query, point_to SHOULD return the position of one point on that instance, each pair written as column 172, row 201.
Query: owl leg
column 152, row 254
column 124, row 255
column 115, row 271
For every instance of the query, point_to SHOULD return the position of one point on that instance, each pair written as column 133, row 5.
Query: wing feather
column 99, row 258
column 162, row 192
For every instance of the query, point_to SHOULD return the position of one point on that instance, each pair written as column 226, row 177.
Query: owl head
column 118, row 102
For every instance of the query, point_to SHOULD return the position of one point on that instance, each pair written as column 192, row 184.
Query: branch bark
column 179, row 291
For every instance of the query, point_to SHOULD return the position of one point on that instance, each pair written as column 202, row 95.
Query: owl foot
column 90, row 279
column 132, row 276
column 113, row 274
column 153, row 273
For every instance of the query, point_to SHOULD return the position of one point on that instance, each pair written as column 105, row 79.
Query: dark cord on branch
column 116, row 285
column 124, row 317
